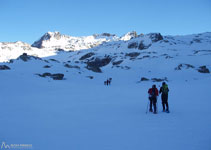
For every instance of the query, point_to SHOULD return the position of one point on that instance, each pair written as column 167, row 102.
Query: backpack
column 153, row 93
column 165, row 89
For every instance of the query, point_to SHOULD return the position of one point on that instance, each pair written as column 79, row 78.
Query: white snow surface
column 80, row 113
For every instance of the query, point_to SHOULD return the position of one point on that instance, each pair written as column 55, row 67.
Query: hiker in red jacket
column 153, row 93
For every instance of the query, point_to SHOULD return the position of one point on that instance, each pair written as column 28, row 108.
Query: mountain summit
column 56, row 41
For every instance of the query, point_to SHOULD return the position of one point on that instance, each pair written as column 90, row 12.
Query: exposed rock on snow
column 117, row 62
column 142, row 46
column 97, row 63
column 155, row 37
column 26, row 57
column 46, row 66
column 154, row 79
column 57, row 76
column 159, row 79
column 87, row 56
column 144, row 79
column 90, row 77
column 186, row 66
column 54, row 60
column 133, row 54
column 133, row 45
column 70, row 66
column 4, row 67
column 203, row 69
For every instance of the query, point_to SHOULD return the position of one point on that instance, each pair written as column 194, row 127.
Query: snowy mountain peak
column 47, row 37
column 129, row 36
column 55, row 41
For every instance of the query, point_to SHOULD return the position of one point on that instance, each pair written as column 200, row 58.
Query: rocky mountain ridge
column 152, row 57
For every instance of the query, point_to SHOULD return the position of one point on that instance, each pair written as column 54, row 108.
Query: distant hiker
column 153, row 93
column 109, row 82
column 164, row 90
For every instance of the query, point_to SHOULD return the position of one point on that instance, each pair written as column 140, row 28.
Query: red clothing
column 150, row 91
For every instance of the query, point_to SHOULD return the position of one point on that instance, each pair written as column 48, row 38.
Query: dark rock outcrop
column 97, row 63
column 46, row 66
column 70, row 66
column 155, row 37
column 159, row 79
column 4, row 67
column 90, row 77
column 141, row 46
column 26, row 57
column 133, row 54
column 57, row 76
column 54, row 60
column 87, row 56
column 203, row 69
column 117, row 62
column 144, row 79
column 187, row 66
column 133, row 45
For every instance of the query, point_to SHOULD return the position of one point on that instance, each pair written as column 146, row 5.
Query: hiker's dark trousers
column 164, row 98
column 153, row 102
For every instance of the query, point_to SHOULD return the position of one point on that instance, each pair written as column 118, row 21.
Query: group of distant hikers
column 108, row 81
column 153, row 94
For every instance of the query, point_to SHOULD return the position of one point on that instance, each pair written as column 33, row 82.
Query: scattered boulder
column 142, row 46
column 197, row 40
column 87, row 56
column 94, row 69
column 125, row 67
column 203, row 69
column 44, row 74
column 54, row 60
column 70, row 66
column 117, row 62
column 154, row 79
column 133, row 45
column 57, row 76
column 46, row 66
column 4, row 67
column 180, row 66
column 159, row 79
column 144, row 79
column 133, row 54
column 146, row 56
column 26, row 57
column 90, row 77
column 168, row 57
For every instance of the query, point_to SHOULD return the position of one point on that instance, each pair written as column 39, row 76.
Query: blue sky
column 28, row 20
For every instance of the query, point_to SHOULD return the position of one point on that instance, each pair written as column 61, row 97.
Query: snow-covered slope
column 12, row 50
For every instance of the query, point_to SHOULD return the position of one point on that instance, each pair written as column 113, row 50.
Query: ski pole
column 157, row 103
column 147, row 107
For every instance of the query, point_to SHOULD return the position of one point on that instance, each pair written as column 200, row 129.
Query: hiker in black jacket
column 164, row 90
